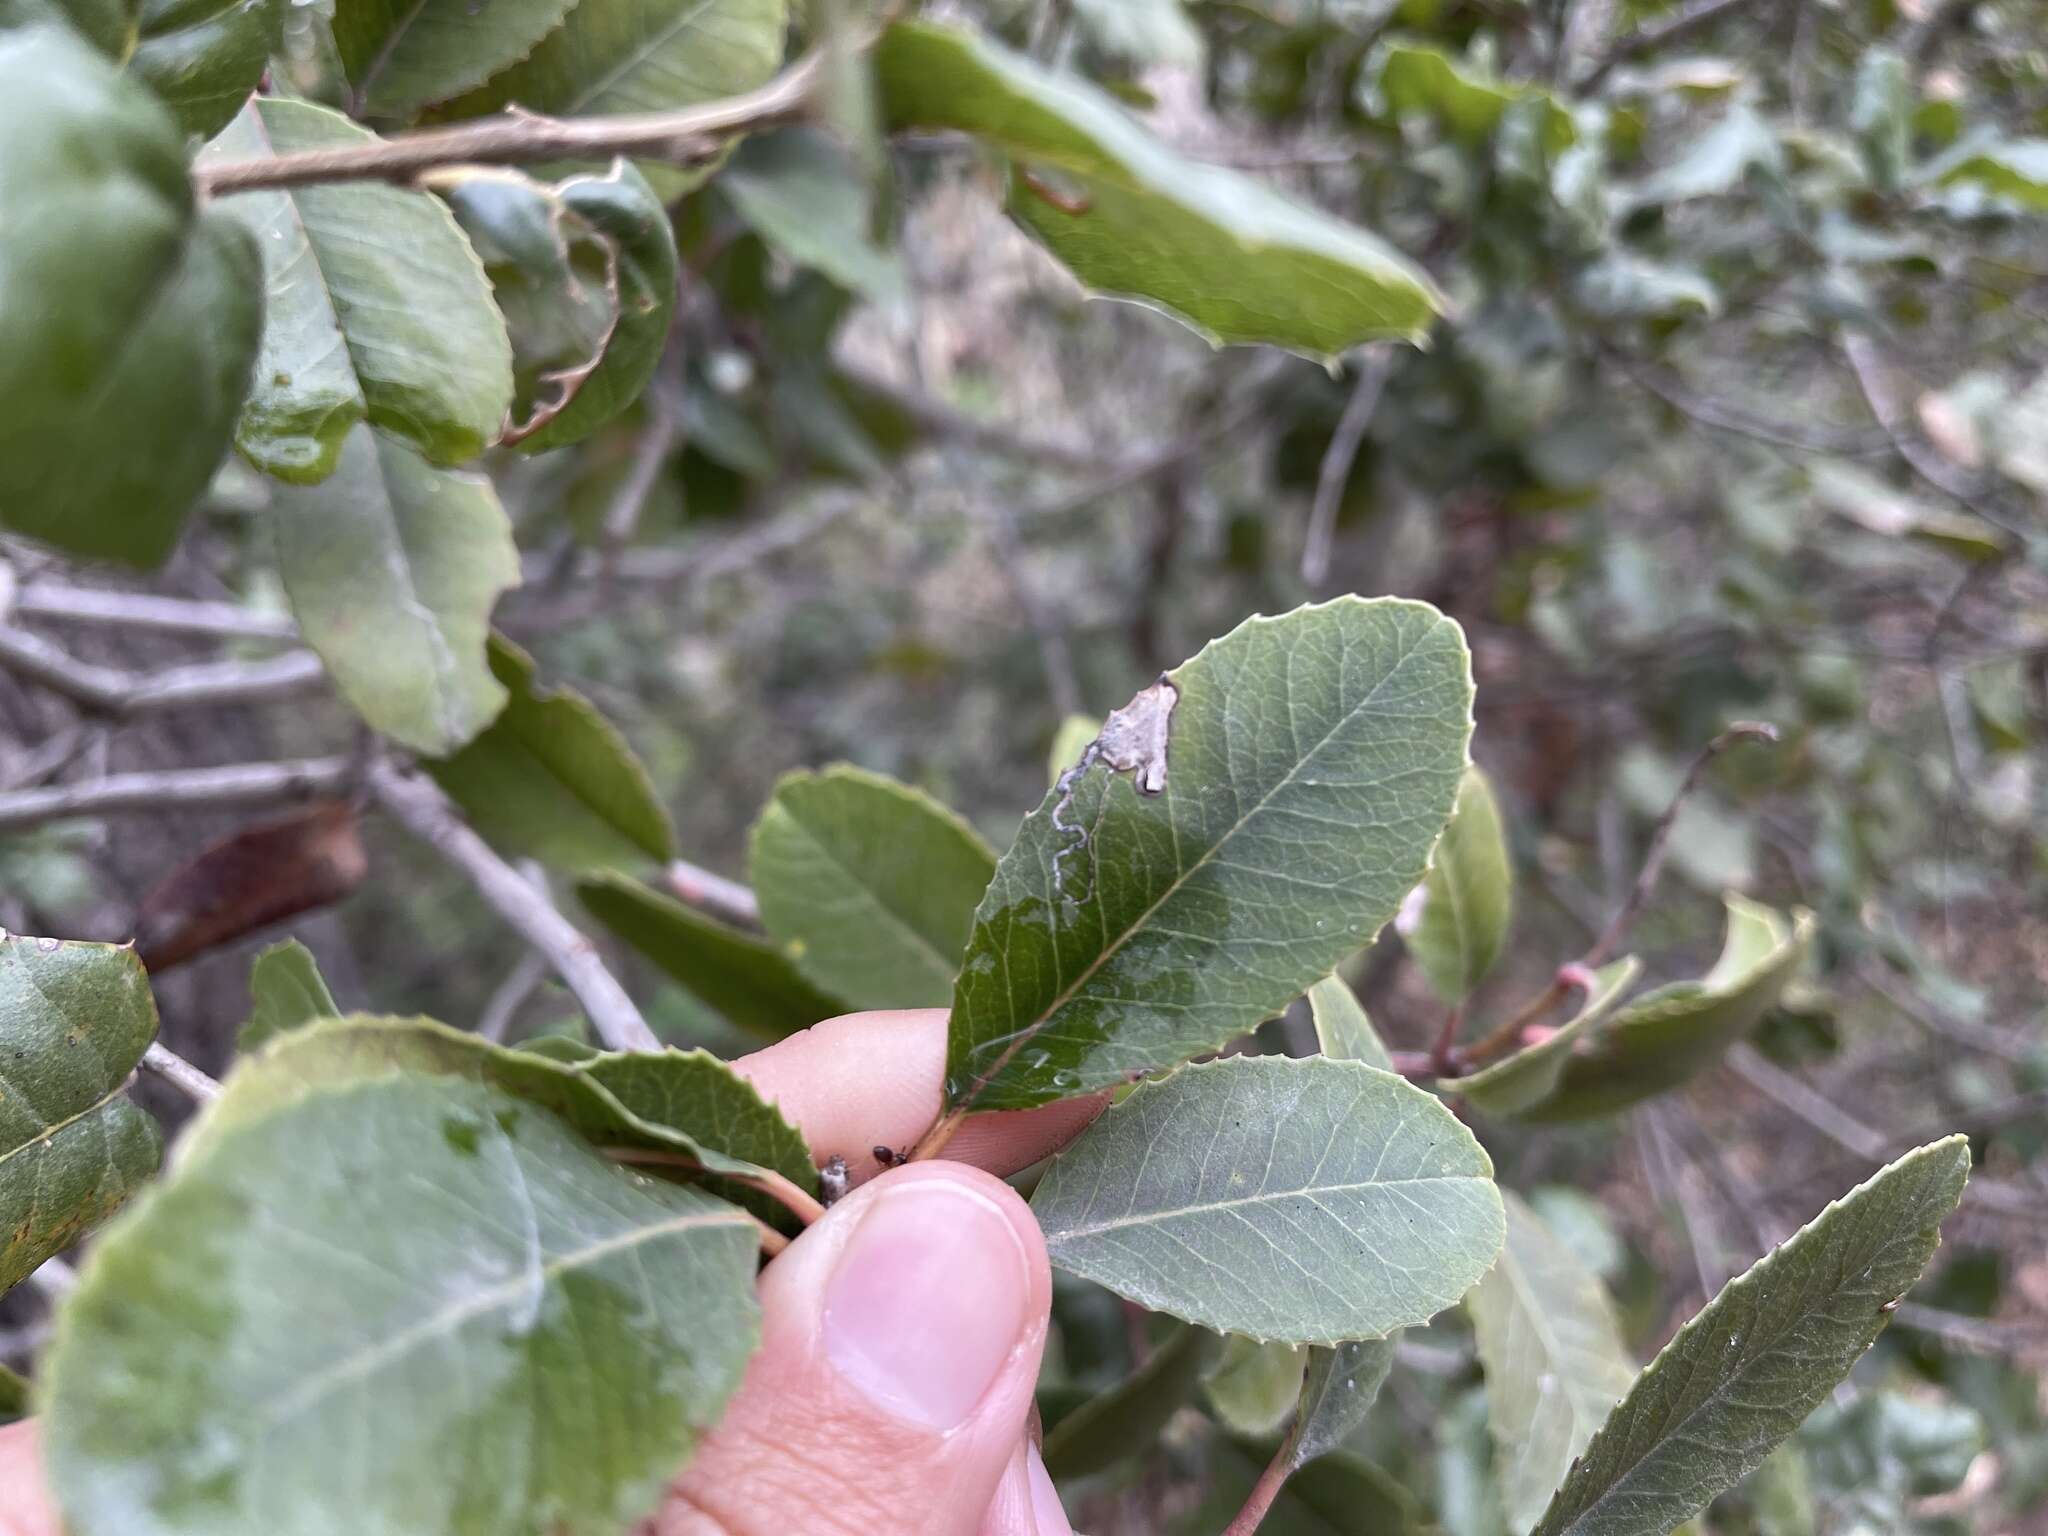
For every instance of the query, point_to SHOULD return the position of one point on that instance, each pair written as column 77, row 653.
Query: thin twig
column 1667, row 1187
column 510, row 995
column 180, row 788
column 767, row 1181
column 1723, row 417
column 514, row 138
column 180, row 1073
column 45, row 599
column 1815, row 1108
column 1373, row 368
column 1873, row 379
column 108, row 691
column 1504, row 1039
column 1264, row 1492
column 1648, row 39
column 650, row 455
column 418, row 806
column 695, row 887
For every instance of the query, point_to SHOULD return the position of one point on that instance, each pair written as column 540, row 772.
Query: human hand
column 901, row 1334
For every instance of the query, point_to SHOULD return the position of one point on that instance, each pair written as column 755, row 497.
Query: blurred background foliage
column 1741, row 412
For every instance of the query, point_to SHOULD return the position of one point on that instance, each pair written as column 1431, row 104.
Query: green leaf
column 1524, row 1080
column 2012, row 168
column 1761, row 1356
column 1714, row 164
column 379, row 310
column 124, row 372
column 1881, row 103
column 585, row 273
column 392, row 567
column 1310, row 1202
column 802, row 194
column 286, row 990
column 1553, row 1355
column 553, row 779
column 686, row 1102
column 14, row 1391
column 1426, row 82
column 402, row 55
column 1339, row 1384
column 1254, row 1388
column 641, row 56
column 109, row 25
column 1224, row 253
column 413, row 1303
column 74, row 1022
column 1126, row 1420
column 1337, row 1392
column 1342, row 1028
column 869, row 886
column 744, row 978
column 1458, row 917
column 1310, row 762
column 1668, row 1035
column 204, row 57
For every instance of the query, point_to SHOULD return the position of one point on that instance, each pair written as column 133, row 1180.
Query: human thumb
column 901, row 1337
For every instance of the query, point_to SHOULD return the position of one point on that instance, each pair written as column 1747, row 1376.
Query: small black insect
column 889, row 1157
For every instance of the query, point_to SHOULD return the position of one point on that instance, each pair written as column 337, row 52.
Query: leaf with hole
column 585, row 272
column 378, row 309
column 1457, row 920
column 1747, row 1370
column 74, row 1022
column 1310, row 762
column 1308, row 1202
column 1553, row 1356
column 310, row 1318
column 738, row 975
column 286, row 990
column 131, row 317
column 1667, row 1036
column 1342, row 1028
column 1133, row 219
column 1521, row 1082
column 552, row 779
column 392, row 567
column 869, row 886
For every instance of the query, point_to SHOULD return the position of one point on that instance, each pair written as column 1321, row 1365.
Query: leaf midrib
column 1067, row 995
column 1264, row 1197
column 312, row 1389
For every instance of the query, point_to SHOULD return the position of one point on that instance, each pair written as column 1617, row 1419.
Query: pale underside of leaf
column 410, row 1304
column 1554, row 1359
column 1309, row 1201
column 1529, row 1076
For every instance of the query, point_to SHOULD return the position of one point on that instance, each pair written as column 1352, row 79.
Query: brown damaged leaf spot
column 251, row 879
